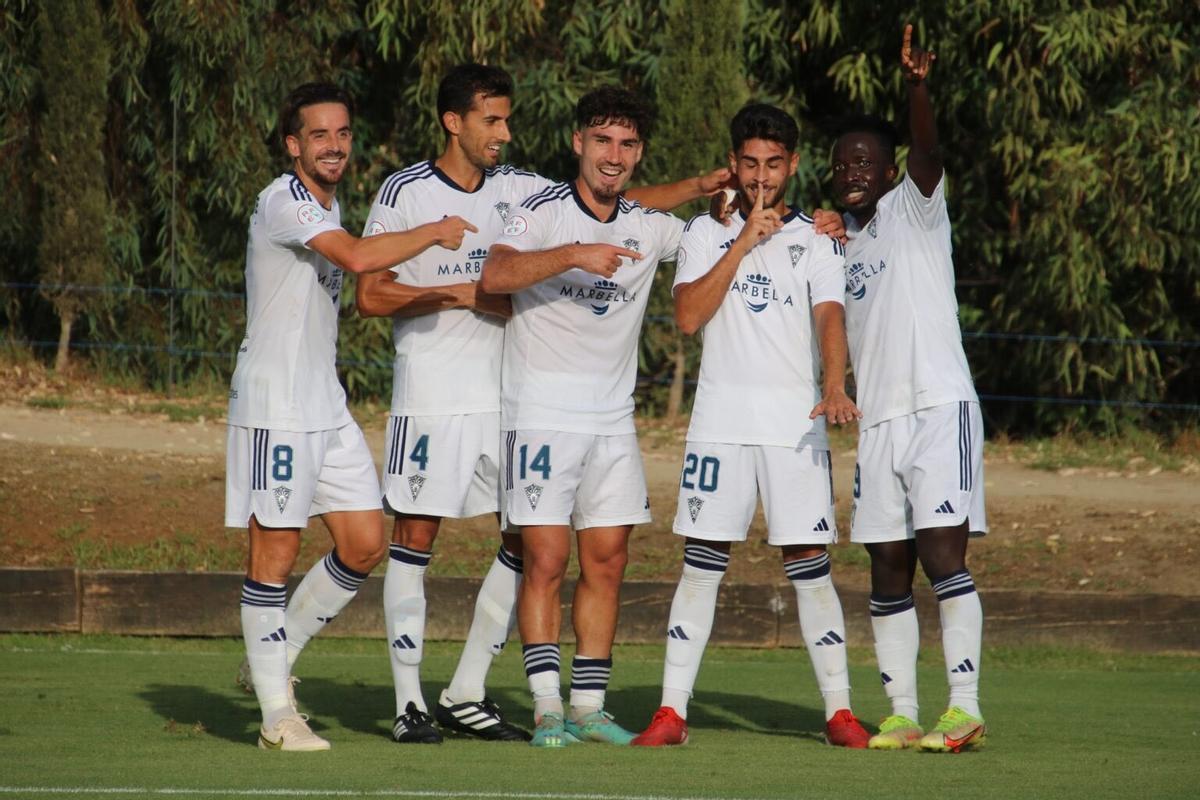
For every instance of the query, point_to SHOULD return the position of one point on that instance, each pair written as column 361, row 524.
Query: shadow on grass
column 723, row 711
column 220, row 715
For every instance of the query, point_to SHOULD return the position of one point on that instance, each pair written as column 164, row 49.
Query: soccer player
column 918, row 484
column 767, row 293
column 443, row 436
column 293, row 449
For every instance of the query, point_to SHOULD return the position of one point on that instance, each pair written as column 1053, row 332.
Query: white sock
column 897, row 638
column 962, row 637
column 266, row 644
column 589, row 684
column 823, row 628
column 404, row 614
column 320, row 597
column 495, row 613
column 690, row 622
column 543, row 665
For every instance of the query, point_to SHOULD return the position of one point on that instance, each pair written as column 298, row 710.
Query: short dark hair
column 310, row 94
column 457, row 90
column 762, row 121
column 615, row 104
column 884, row 131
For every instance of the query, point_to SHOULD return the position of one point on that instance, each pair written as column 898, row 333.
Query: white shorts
column 721, row 484
column 284, row 477
column 444, row 466
column 919, row 471
column 577, row 479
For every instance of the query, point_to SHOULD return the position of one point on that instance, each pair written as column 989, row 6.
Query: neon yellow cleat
column 896, row 733
column 955, row 731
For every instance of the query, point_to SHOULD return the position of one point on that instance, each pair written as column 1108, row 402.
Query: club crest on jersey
column 502, row 210
column 533, row 493
column 282, row 494
column 516, row 226
column 599, row 296
column 694, row 506
column 756, row 291
column 415, row 482
column 309, row 214
column 631, row 244
column 796, row 251
column 871, row 230
column 857, row 275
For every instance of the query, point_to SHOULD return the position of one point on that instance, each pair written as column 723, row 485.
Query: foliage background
column 1071, row 133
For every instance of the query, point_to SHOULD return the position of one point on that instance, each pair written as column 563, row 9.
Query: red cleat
column 666, row 728
column 844, row 730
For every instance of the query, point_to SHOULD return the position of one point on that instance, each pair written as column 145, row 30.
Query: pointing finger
column 621, row 251
column 470, row 227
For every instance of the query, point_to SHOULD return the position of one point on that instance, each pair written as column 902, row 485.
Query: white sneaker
column 291, row 733
column 246, row 681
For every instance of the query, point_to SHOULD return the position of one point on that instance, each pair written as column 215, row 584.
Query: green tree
column 74, row 209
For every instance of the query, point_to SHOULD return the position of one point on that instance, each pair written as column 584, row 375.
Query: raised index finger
column 758, row 198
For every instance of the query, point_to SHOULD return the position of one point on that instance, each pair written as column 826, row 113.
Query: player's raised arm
column 668, row 196
column 508, row 270
column 924, row 160
column 836, row 405
column 698, row 301
column 385, row 250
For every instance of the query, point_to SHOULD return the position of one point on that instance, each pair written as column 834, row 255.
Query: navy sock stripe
column 342, row 575
column 590, row 673
column 264, row 595
column 807, row 569
column 883, row 605
column 542, row 657
column 955, row 584
column 407, row 555
column 515, row 563
column 702, row 557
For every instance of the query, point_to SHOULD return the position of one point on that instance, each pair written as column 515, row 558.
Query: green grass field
column 128, row 717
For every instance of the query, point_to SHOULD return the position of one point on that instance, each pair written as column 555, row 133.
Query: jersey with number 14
column 760, row 367
column 286, row 378
column 448, row 362
column 570, row 354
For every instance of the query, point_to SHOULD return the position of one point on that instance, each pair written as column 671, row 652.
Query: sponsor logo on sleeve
column 516, row 226
column 375, row 227
column 309, row 214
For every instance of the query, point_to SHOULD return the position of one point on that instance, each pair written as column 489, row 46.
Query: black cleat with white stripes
column 414, row 726
column 481, row 719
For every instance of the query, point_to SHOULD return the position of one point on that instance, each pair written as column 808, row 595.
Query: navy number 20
column 709, row 468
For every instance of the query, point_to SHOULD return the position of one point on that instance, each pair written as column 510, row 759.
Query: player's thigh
column 540, row 472
column 942, row 467
column 347, row 480
column 718, row 491
column 797, row 495
column 442, row 466
column 612, row 490
column 879, row 507
column 272, row 476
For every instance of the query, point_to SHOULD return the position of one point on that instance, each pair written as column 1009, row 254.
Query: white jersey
column 901, row 312
column 286, row 378
column 570, row 355
column 760, row 367
column 447, row 362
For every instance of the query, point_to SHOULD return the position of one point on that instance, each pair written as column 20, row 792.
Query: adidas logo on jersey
column 823, row 525
column 415, row 482
column 694, row 506
column 944, row 508
column 533, row 493
column 282, row 495
column 796, row 251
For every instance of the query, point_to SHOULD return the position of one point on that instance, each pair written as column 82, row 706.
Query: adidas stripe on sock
column 823, row 627
column 961, row 616
column 317, row 601
column 263, row 631
column 404, row 614
column 589, row 682
column 543, row 664
column 690, row 622
column 495, row 614
column 897, row 639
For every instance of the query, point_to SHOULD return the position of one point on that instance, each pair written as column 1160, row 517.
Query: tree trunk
column 675, row 397
column 64, row 342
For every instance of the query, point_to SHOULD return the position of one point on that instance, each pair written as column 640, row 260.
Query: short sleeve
column 827, row 271
column 693, row 262
column 529, row 229
column 669, row 230
column 386, row 218
column 924, row 212
column 294, row 223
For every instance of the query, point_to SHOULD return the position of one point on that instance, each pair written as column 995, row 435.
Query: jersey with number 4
column 447, row 362
column 901, row 312
column 570, row 354
column 286, row 378
column 760, row 366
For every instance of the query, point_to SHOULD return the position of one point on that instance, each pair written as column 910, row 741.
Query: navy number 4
column 420, row 452
column 709, row 467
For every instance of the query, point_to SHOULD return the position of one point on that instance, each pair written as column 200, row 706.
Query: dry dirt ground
column 110, row 487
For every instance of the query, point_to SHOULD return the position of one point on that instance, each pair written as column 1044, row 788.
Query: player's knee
column 544, row 569
column 607, row 567
column 363, row 556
